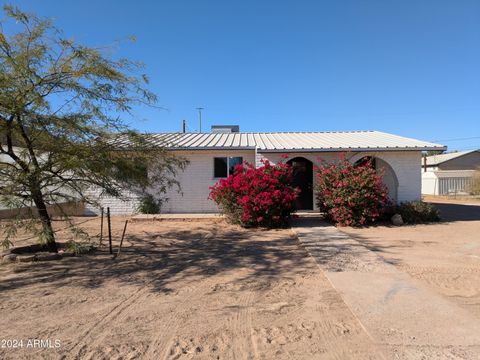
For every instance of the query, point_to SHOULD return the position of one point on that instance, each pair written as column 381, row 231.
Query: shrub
column 417, row 212
column 474, row 186
column 350, row 195
column 257, row 196
column 149, row 205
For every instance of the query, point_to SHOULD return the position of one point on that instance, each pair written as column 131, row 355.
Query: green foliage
column 79, row 248
column 80, row 242
column 149, row 205
column 350, row 195
column 434, row 152
column 254, row 197
column 11, row 227
column 64, row 109
column 6, row 243
column 417, row 212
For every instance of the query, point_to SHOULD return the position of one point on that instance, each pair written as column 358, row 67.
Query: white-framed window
column 224, row 166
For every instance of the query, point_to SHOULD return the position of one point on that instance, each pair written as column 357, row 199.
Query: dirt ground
column 208, row 290
column 180, row 290
column 444, row 257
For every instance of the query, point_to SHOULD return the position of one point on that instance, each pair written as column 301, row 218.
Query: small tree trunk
column 47, row 228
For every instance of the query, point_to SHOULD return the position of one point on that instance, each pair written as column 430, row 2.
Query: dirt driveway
column 181, row 290
column 209, row 290
column 444, row 257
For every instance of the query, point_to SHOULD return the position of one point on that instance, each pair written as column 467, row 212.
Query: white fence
column 446, row 182
column 453, row 185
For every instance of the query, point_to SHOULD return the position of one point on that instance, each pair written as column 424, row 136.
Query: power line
column 458, row 139
column 468, row 148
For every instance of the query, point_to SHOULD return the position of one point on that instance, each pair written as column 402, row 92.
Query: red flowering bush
column 257, row 196
column 350, row 195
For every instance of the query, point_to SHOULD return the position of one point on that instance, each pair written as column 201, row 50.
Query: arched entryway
column 303, row 179
column 389, row 177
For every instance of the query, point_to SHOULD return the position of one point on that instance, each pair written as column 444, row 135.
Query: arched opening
column 385, row 170
column 303, row 179
column 366, row 160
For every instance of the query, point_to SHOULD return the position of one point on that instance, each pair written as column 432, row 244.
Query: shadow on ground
column 337, row 251
column 458, row 212
column 161, row 259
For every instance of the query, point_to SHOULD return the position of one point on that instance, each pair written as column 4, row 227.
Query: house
column 460, row 160
column 449, row 173
column 213, row 156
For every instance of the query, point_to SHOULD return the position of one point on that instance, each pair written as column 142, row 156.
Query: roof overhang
column 223, row 148
column 366, row 149
column 303, row 150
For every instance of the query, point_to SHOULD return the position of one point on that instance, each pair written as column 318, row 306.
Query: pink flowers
column 257, row 197
column 350, row 195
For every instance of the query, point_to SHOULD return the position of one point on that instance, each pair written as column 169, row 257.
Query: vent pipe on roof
column 222, row 129
column 200, row 118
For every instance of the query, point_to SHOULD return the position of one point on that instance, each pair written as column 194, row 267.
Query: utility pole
column 200, row 118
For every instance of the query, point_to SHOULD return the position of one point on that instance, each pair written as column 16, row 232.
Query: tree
column 433, row 152
column 474, row 186
column 61, row 123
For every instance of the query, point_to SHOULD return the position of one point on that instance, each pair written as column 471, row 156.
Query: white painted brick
column 198, row 177
column 404, row 164
column 196, row 181
column 117, row 206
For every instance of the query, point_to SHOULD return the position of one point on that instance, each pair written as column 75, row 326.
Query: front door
column 303, row 179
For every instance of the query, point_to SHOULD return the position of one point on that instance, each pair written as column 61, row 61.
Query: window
column 220, row 167
column 232, row 162
column 224, row 166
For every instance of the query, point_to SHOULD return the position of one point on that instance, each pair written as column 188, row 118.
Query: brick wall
column 198, row 177
column 127, row 205
column 405, row 165
column 196, row 180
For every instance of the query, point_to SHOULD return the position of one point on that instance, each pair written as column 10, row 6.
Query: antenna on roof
column 200, row 118
column 184, row 125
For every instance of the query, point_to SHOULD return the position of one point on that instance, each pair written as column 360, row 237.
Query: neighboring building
column 461, row 160
column 213, row 155
column 449, row 173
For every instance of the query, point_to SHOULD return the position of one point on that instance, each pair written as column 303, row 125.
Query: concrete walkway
column 406, row 320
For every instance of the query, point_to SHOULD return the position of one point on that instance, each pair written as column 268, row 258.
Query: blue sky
column 407, row 67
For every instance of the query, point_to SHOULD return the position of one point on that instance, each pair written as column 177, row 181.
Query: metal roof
column 434, row 160
column 292, row 141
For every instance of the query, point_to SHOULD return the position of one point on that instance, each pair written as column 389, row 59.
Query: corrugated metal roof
column 292, row 141
column 439, row 159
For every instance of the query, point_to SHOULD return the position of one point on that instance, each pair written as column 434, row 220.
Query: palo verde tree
column 61, row 126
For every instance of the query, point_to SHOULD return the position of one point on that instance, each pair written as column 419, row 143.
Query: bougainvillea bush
column 261, row 196
column 350, row 195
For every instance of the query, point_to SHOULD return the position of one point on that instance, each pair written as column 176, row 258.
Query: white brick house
column 211, row 155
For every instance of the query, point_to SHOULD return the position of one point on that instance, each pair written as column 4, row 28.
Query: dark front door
column 303, row 179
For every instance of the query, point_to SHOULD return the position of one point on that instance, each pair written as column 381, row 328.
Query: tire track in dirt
column 241, row 324
column 117, row 313
column 98, row 332
column 164, row 337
